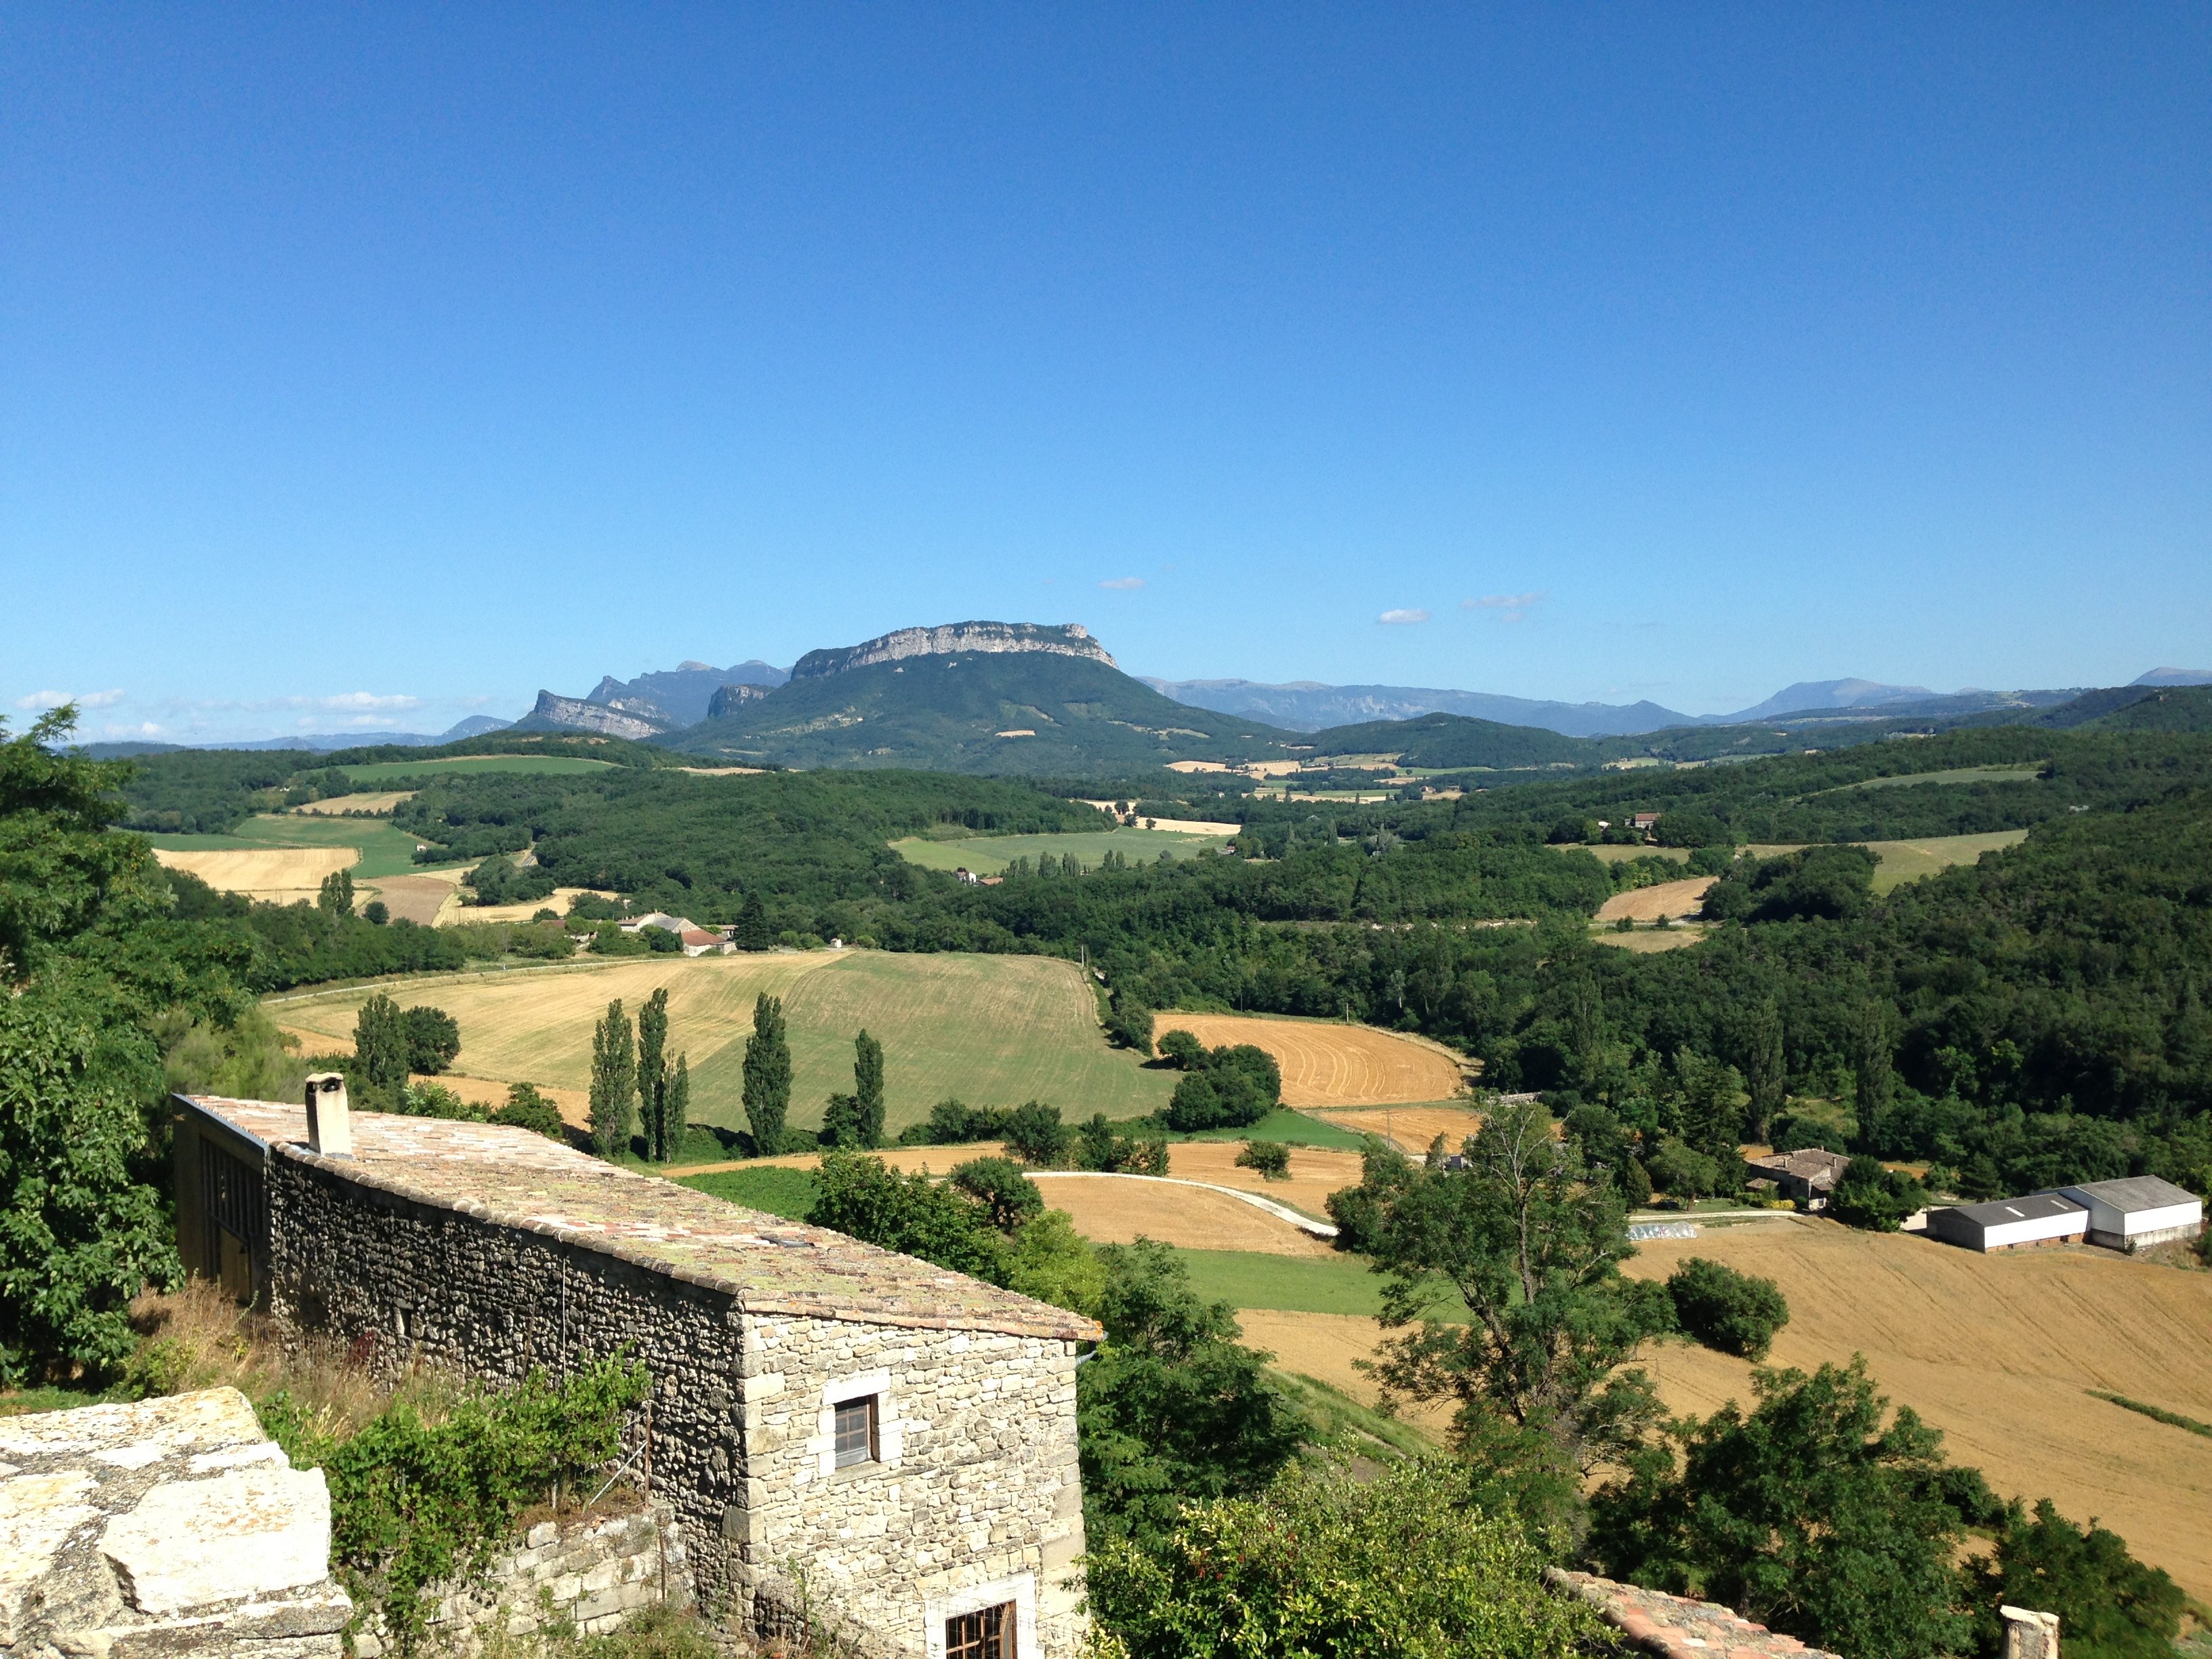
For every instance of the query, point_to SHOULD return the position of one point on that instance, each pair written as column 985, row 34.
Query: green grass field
column 2023, row 774
column 779, row 1192
column 384, row 851
column 1909, row 860
column 993, row 1031
column 1292, row 1283
column 990, row 855
column 388, row 773
column 1292, row 1128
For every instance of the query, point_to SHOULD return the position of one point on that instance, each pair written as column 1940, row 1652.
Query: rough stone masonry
column 844, row 1434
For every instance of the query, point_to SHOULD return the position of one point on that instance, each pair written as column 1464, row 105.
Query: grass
column 384, row 851
column 2156, row 1413
column 1342, row 1422
column 993, row 1031
column 991, row 855
column 787, row 1193
column 1339, row 1284
column 1292, row 1128
column 2026, row 773
column 386, row 773
column 1910, row 860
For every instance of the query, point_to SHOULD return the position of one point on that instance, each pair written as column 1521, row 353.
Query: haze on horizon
column 365, row 370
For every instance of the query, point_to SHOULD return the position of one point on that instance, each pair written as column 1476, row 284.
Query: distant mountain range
column 319, row 743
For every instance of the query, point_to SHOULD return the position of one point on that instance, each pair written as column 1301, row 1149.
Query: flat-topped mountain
column 972, row 638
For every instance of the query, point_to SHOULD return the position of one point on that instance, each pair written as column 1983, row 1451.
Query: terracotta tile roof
column 1674, row 1627
column 516, row 1178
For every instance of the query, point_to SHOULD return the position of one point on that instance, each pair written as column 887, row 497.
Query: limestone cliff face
column 1066, row 639
column 728, row 700
column 575, row 713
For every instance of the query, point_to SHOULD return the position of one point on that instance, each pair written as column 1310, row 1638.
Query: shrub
column 953, row 1124
column 865, row 1198
column 1097, row 1147
column 1270, row 1158
column 1129, row 1024
column 1324, row 1564
column 1735, row 1313
column 412, row 1502
column 1229, row 1088
column 1874, row 1198
column 526, row 1108
column 436, row 1100
column 1035, row 1135
column 1008, row 1196
column 1182, row 1050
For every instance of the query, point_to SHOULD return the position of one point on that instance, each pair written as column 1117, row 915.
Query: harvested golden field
column 1315, row 1173
column 425, row 899
column 908, row 1160
column 1646, row 940
column 1328, row 1348
column 1411, row 1128
column 1997, row 1351
column 562, row 899
column 1667, row 898
column 1122, row 1209
column 1327, row 1064
column 381, row 800
column 278, row 874
column 995, row 1030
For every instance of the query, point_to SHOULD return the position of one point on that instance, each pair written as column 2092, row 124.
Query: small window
column 986, row 1633
column 856, row 1431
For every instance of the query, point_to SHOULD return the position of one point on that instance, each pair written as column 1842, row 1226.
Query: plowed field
column 1327, row 1064
column 1667, row 898
column 278, row 874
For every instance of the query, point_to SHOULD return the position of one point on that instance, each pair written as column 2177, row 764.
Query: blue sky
column 370, row 366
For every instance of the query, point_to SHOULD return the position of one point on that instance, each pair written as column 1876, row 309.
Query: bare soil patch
column 1411, row 1128
column 424, row 899
column 1997, row 1351
column 1645, row 941
column 1327, row 1064
column 1667, row 898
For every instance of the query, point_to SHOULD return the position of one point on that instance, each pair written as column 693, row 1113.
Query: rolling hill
column 1004, row 698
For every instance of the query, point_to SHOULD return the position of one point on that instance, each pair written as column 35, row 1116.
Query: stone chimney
column 2029, row 1635
column 329, row 1131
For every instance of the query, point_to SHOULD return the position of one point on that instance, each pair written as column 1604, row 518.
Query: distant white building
column 2138, row 1211
column 677, row 925
column 2010, row 1224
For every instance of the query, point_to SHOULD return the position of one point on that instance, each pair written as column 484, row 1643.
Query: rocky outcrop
column 170, row 1528
column 580, row 714
column 967, row 638
column 728, row 700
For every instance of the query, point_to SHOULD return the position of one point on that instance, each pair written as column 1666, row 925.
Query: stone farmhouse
column 1808, row 1177
column 842, row 1433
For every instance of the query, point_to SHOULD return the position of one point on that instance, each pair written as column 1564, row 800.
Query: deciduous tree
column 614, row 1081
column 767, row 1076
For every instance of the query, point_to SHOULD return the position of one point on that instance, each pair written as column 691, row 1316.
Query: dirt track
column 1668, row 898
column 1116, row 1210
column 1327, row 1064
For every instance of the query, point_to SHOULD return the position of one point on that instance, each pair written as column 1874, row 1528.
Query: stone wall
column 975, row 1500
column 168, row 1529
column 591, row 1571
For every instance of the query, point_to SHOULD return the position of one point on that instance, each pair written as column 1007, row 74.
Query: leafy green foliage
column 2109, row 1606
column 767, row 1076
column 1810, row 1514
column 1270, row 1158
column 1735, row 1312
column 1534, row 1248
column 527, row 1108
column 1171, row 1409
column 1033, row 1133
column 498, row 880
column 1878, row 1199
column 434, row 1038
column 1400, row 1567
column 954, row 1123
column 415, row 1501
column 1097, row 1146
column 614, row 1081
column 380, row 1043
column 1009, row 1198
column 857, row 1119
column 1226, row 1088
column 1179, row 1049
column 1829, row 883
column 869, row 1201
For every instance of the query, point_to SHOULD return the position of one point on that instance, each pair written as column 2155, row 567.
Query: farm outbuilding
column 1808, row 1177
column 2138, row 1211
column 2010, row 1224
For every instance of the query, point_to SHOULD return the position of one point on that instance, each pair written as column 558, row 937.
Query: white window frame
column 891, row 1441
column 1021, row 1591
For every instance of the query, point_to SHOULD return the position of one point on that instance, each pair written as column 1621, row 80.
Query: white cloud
column 100, row 699
column 43, row 699
column 1509, row 607
column 367, row 700
column 1122, row 584
column 1402, row 616
column 143, row 729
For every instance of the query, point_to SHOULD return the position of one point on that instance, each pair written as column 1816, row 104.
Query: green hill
column 1458, row 740
column 1032, row 712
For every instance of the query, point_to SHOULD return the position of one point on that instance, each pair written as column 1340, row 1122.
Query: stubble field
column 279, row 875
column 1327, row 1064
column 993, row 1030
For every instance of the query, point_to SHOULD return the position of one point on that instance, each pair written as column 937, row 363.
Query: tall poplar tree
column 614, row 1081
column 677, row 1106
column 380, row 1043
column 768, row 1075
column 751, row 933
column 653, row 1069
column 868, row 1089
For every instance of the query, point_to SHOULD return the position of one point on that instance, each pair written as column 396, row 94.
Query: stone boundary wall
column 590, row 1572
